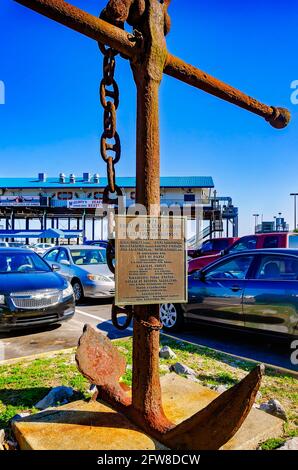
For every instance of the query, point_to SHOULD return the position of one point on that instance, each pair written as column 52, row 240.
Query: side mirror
column 65, row 262
column 223, row 252
column 55, row 267
column 199, row 275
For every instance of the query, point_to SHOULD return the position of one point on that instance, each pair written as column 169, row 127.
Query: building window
column 64, row 196
column 189, row 197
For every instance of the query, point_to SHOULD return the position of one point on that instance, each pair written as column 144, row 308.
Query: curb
column 48, row 354
column 278, row 369
column 37, row 356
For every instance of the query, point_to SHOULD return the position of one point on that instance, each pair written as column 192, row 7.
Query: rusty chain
column 148, row 325
column 110, row 146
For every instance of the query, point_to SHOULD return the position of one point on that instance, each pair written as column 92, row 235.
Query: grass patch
column 24, row 383
column 271, row 444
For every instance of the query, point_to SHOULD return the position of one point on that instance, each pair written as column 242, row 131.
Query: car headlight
column 2, row 299
column 67, row 292
column 98, row 277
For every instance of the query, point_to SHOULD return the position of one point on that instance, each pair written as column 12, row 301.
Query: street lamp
column 295, row 214
column 256, row 216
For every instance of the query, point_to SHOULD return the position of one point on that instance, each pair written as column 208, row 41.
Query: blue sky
column 52, row 119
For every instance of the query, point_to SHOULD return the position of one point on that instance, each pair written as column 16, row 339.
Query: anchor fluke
column 101, row 363
column 213, row 426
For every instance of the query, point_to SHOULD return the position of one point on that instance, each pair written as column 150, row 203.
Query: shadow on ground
column 25, row 398
column 29, row 331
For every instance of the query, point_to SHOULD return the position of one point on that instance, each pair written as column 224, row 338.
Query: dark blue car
column 31, row 292
column 255, row 289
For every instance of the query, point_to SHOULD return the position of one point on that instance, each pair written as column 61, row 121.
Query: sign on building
column 84, row 203
column 19, row 201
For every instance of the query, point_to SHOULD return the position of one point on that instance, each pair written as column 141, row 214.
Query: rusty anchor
column 97, row 359
column 102, row 364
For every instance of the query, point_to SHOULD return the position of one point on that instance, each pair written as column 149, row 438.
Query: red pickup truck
column 249, row 242
column 212, row 246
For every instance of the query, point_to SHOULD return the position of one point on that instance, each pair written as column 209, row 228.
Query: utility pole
column 256, row 216
column 295, row 211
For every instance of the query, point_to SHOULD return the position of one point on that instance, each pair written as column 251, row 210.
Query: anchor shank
column 148, row 72
column 146, row 391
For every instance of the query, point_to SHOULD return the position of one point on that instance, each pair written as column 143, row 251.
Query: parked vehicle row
column 254, row 289
column 249, row 242
column 39, row 248
column 13, row 245
column 249, row 284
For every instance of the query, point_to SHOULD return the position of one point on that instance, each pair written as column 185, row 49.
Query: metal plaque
column 151, row 260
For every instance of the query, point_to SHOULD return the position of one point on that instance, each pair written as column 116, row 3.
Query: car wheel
column 78, row 291
column 171, row 317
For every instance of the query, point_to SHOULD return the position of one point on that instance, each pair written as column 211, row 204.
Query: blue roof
column 49, row 233
column 123, row 181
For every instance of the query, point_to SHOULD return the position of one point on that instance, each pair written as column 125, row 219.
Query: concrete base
column 95, row 426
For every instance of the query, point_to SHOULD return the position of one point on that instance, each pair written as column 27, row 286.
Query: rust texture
column 101, row 31
column 148, row 72
column 84, row 23
column 100, row 362
column 133, row 12
column 218, row 422
column 177, row 68
column 97, row 358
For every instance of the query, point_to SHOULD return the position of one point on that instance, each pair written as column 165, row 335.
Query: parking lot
column 260, row 348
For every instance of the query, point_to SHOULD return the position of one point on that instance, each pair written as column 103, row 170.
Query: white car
column 41, row 248
column 85, row 267
column 13, row 245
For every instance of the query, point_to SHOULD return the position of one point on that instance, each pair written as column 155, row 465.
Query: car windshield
column 86, row 256
column 13, row 262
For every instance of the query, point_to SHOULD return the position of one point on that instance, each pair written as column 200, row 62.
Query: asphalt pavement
column 258, row 347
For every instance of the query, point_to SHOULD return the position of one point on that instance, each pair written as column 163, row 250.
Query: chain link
column 130, row 313
column 110, row 146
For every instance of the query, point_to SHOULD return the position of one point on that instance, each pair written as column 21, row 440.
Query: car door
column 270, row 299
column 64, row 263
column 215, row 294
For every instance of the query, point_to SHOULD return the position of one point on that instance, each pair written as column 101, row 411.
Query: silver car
column 85, row 267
